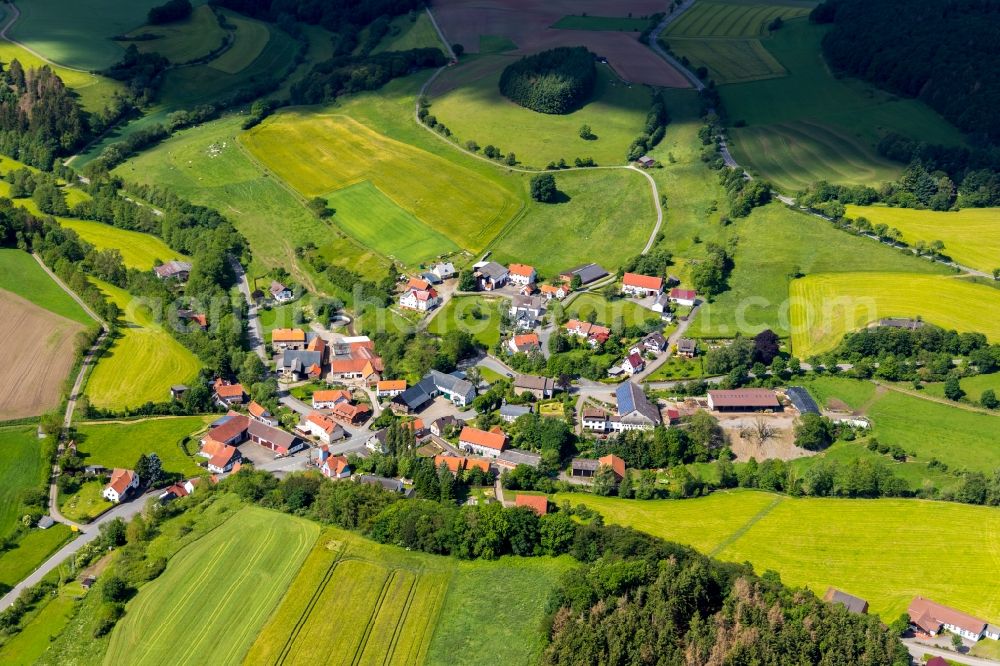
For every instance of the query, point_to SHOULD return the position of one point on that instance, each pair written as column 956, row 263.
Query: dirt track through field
column 40, row 348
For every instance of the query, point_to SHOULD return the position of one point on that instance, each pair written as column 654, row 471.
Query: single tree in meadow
column 952, row 389
column 543, row 188
column 989, row 399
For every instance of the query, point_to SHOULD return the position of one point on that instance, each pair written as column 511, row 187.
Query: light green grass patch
column 21, row 468
column 729, row 60
column 142, row 362
column 375, row 221
column 973, row 386
column 249, row 41
column 473, row 109
column 458, row 313
column 31, row 551
column 138, row 250
column 181, row 41
column 852, row 393
column 971, row 236
column 406, row 33
column 35, row 637
column 606, row 312
column 601, row 23
column 495, row 44
column 21, row 275
column 120, row 444
column 172, row 618
column 608, row 218
column 824, row 307
column 884, row 551
column 86, row 503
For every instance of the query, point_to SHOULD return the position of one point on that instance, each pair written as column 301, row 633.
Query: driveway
column 255, row 334
column 678, row 333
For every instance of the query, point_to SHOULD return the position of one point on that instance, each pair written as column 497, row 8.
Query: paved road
column 918, row 650
column 678, row 333
column 255, row 334
column 654, row 43
column 90, row 532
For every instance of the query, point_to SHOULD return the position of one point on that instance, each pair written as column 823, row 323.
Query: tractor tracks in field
column 756, row 518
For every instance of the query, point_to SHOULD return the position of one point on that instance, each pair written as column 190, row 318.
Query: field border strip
column 370, row 624
column 310, row 606
column 743, row 529
column 397, row 632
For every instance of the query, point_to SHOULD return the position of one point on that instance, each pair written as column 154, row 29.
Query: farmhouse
column 540, row 387
column 687, row 348
column 173, row 270
column 491, row 275
column 743, row 400
column 588, row 273
column 443, row 270
column 377, row 441
column 421, row 300
column 527, row 310
column 317, row 344
column 259, row 413
column 321, row 427
column 298, row 364
column 641, row 285
column 661, row 304
column 355, row 358
column 632, row 364
column 851, row 603
column 801, row 400
column 481, row 442
column 441, row 426
column 457, row 390
column 330, row 398
column 686, row 297
column 280, row 293
column 521, row 274
column 537, row 503
column 390, row 388
column 635, row 411
column 931, row 618
column 288, row 338
column 511, row 458
column 123, row 482
column 177, row 490
column 522, row 344
column 654, row 342
column 348, row 413
column 587, row 468
column 227, row 394
column 230, row 429
column 510, row 413
column 593, row 418
column 333, row 467
column 559, row 292
column 595, row 334
column 224, row 460
column 279, row 441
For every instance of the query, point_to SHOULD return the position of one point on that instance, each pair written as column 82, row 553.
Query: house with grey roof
column 511, row 458
column 850, row 602
column 173, row 270
column 435, row 383
column 526, row 311
column 492, row 275
column 635, row 411
column 511, row 413
column 296, row 364
column 444, row 270
column 540, row 387
column 588, row 273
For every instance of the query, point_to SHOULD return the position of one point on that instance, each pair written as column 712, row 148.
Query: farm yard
column 971, row 236
column 596, row 206
column 825, row 306
column 173, row 618
column 885, row 551
column 142, row 362
column 120, row 444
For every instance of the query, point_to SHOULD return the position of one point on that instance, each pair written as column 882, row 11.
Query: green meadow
column 22, row 468
column 120, row 444
column 21, row 274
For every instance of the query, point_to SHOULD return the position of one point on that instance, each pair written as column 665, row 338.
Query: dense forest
column 554, row 81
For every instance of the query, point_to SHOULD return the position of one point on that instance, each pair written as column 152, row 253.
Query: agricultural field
column 365, row 213
column 606, row 312
column 460, row 313
column 489, row 44
column 712, row 18
column 139, row 250
column 406, row 33
column 31, row 550
column 142, row 362
column 618, row 23
column 973, row 386
column 808, row 125
column 596, row 206
column 825, row 306
column 173, row 619
column 885, row 551
column 249, row 41
column 316, row 153
column 120, row 444
column 181, row 41
column 776, row 243
column 468, row 101
column 21, row 275
column 971, row 236
column 729, row 60
column 23, row 467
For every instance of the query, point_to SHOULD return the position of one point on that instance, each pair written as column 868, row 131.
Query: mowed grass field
column 181, row 41
column 21, row 275
column 249, row 41
column 142, row 362
column 35, row 638
column 808, row 125
column 375, row 221
column 405, row 34
column 458, row 313
column 139, row 250
column 390, row 606
column 710, row 18
column 971, row 236
column 120, row 444
column 31, row 551
column 472, row 107
column 232, row 578
column 729, row 60
column 606, row 311
column 317, row 153
column 21, row 468
column 605, row 216
column 826, row 306
column 885, row 551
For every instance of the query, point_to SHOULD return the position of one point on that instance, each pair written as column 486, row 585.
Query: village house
column 489, row 444
column 392, row 485
column 390, row 388
column 288, row 338
column 587, row 468
column 743, row 400
column 510, row 413
column 540, row 387
column 491, row 275
column 851, row 603
column 633, row 364
column 227, row 394
column 197, row 318
column 419, row 295
column 526, row 311
column 173, row 270
column 661, row 304
column 297, row 364
column 557, row 292
column 123, row 482
column 654, row 342
column 224, row 460
column 355, row 358
column 459, row 391
column 588, row 273
column 329, row 398
column 444, row 270
column 440, row 427
column 259, row 413
column 685, row 297
column 594, row 419
column 687, row 348
column 230, row 429
column 521, row 274
column 349, row 413
column 331, row 466
column 594, row 334
column 431, row 277
column 537, row 503
column 280, row 293
column 321, row 427
column 930, row 618
column 377, row 441
column 636, row 284
column 456, row 464
column 511, row 458
column 635, row 411
column 177, row 490
column 525, row 343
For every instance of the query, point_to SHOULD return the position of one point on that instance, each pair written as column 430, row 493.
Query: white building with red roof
column 521, row 274
column 123, row 482
column 686, row 297
column 641, row 285
column 488, row 444
column 421, row 300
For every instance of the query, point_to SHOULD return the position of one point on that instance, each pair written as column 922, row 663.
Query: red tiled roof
column 477, row 463
column 418, row 284
column 228, row 390
column 350, row 411
column 642, row 281
column 552, row 289
column 523, row 270
column 225, row 432
column 323, row 422
column 454, row 464
column 177, row 489
column 526, row 339
column 686, row 294
column 331, row 395
column 256, row 409
column 336, row 465
column 634, row 360
column 489, row 440
column 539, row 503
column 317, row 344
column 120, row 480
column 391, row 385
column 922, row 609
column 288, row 335
column 222, row 458
column 615, row 463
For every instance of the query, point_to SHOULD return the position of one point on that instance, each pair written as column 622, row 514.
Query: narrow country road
column 665, row 356
column 255, row 334
column 918, row 650
column 654, row 43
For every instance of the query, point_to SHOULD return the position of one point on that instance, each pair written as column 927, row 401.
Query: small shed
column 646, row 161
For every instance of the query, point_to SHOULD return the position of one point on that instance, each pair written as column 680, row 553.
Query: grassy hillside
column 471, row 106
column 22, row 468
column 21, row 274
column 181, row 41
column 885, row 551
column 138, row 250
column 142, row 362
column 121, row 444
column 407, row 33
column 971, row 236
column 826, row 306
column 173, row 619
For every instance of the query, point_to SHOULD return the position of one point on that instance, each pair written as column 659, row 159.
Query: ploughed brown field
column 526, row 23
column 39, row 356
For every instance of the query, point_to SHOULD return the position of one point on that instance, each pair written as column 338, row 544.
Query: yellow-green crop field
column 138, row 250
column 142, row 363
column 825, row 306
column 709, row 18
column 317, row 154
column 885, row 551
column 729, row 60
column 971, row 236
column 216, row 594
